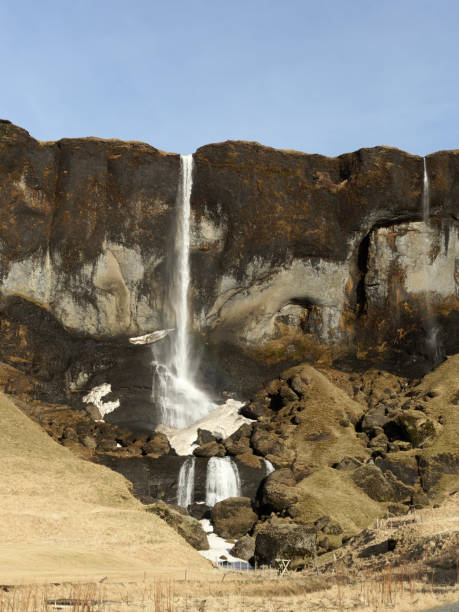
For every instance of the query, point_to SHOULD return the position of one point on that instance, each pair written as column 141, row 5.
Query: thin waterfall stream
column 185, row 488
column 433, row 344
column 180, row 401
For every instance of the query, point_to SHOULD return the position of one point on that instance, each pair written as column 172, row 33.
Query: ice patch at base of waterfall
column 222, row 421
column 218, row 548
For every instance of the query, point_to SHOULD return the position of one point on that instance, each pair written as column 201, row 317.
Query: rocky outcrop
column 293, row 257
column 188, row 527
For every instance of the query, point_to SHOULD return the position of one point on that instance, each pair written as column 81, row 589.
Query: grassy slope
column 62, row 517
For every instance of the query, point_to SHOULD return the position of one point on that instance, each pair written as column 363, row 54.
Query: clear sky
column 326, row 76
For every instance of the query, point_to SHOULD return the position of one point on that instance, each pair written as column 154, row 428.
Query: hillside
column 62, row 517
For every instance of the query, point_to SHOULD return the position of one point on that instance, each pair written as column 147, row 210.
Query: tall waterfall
column 174, row 390
column 433, row 343
column 222, row 480
column 185, row 489
column 425, row 194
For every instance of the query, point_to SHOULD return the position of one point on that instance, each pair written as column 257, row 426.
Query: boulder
column 188, row 527
column 233, row 517
column 277, row 492
column 157, row 445
column 210, row 449
column 239, row 442
column 204, row 436
column 285, row 541
column 199, row 511
column 371, row 480
column 347, row 464
column 244, row 548
column 418, row 428
column 88, row 442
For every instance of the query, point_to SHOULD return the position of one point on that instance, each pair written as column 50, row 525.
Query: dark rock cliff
column 294, row 257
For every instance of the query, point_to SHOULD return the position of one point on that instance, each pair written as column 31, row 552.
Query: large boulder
column 277, row 492
column 244, row 548
column 157, row 445
column 285, row 541
column 371, row 480
column 233, row 517
column 188, row 527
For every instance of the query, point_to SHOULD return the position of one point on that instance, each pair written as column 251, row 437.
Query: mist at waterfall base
column 433, row 346
column 175, row 392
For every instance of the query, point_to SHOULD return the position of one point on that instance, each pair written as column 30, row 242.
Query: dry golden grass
column 64, row 517
column 236, row 592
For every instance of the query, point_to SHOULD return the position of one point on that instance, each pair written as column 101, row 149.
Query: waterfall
column 222, row 480
column 180, row 401
column 185, row 489
column 425, row 194
column 433, row 344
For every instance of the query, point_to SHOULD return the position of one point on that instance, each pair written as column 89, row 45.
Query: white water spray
column 185, row 489
column 222, row 480
column 180, row 401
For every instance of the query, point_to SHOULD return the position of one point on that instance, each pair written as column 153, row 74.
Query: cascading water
column 433, row 344
column 185, row 489
column 180, row 401
column 222, row 480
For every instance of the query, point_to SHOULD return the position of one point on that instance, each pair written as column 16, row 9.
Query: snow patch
column 221, row 422
column 95, row 397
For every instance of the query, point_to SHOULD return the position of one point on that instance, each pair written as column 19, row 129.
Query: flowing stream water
column 222, row 480
column 185, row 489
column 180, row 401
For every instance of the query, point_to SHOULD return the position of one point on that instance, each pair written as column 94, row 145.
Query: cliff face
column 294, row 257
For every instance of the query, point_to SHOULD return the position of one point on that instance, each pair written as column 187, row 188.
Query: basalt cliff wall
column 294, row 258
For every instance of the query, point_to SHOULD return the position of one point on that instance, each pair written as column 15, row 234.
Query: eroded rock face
column 293, row 257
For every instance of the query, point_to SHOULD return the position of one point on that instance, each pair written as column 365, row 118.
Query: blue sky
column 323, row 77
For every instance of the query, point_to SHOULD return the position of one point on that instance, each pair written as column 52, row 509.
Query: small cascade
column 434, row 347
column 185, row 489
column 180, row 401
column 268, row 467
column 222, row 480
